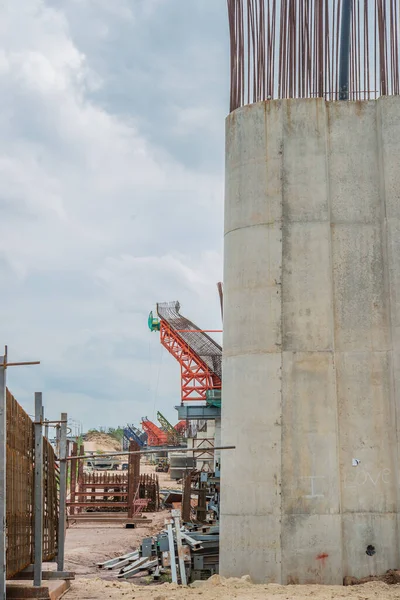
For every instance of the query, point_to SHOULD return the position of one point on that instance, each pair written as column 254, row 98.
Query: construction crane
column 131, row 433
column 199, row 356
column 181, row 427
column 173, row 435
column 155, row 435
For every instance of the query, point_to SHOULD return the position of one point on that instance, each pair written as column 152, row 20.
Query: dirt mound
column 101, row 442
column 391, row 577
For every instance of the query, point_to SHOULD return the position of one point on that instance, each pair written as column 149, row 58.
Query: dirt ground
column 88, row 545
column 225, row 589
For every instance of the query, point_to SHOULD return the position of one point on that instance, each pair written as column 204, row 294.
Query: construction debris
column 181, row 554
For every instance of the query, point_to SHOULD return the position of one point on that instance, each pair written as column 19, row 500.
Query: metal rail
column 160, row 449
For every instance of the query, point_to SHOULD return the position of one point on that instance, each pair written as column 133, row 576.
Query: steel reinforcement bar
column 332, row 49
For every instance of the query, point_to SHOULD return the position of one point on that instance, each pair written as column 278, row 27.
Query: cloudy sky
column 111, row 195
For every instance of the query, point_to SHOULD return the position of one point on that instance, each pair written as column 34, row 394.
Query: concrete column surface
column 311, row 348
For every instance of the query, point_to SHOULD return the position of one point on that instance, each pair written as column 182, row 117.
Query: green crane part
column 213, row 398
column 173, row 435
column 153, row 322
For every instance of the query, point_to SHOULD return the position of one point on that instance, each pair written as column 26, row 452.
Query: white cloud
column 98, row 221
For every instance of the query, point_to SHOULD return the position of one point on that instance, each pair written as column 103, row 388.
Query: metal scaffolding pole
column 38, row 506
column 63, row 491
column 3, row 454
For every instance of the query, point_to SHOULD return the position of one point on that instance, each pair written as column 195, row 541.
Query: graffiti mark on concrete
column 364, row 477
column 313, row 491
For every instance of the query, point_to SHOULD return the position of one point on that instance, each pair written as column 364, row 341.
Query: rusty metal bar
column 187, row 493
column 133, row 476
column 160, row 449
column 74, row 456
column 3, row 454
column 21, row 364
column 329, row 49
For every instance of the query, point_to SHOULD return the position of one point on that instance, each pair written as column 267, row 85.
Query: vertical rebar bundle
column 296, row 49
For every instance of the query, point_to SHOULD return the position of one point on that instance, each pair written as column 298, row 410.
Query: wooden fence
column 111, row 491
column 20, row 492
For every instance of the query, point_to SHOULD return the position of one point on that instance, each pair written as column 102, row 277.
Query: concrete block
column 254, row 163
column 388, row 140
column 353, row 159
column 312, row 549
column 246, row 375
column 361, row 531
column 304, row 170
column 256, row 327
column 254, row 435
column 311, row 366
column 366, row 416
column 310, row 483
column 306, row 287
column 361, row 315
column 258, row 538
column 393, row 266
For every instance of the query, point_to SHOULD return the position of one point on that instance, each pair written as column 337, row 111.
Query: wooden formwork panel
column 20, row 491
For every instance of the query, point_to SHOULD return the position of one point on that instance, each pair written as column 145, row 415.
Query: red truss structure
column 181, row 427
column 155, row 435
column 198, row 354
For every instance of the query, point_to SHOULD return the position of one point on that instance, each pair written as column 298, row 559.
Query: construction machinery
column 162, row 465
column 155, row 435
column 132, row 433
column 174, row 437
column 199, row 356
column 102, row 463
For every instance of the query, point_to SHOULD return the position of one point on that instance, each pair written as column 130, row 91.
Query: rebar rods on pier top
column 294, row 49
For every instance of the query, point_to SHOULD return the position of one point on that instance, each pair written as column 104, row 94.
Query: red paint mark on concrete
column 322, row 558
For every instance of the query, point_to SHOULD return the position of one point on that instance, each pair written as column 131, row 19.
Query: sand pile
column 95, row 441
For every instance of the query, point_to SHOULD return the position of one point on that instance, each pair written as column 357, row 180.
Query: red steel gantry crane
column 199, row 356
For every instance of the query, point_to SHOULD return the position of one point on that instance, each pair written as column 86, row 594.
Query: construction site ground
column 225, row 589
column 87, row 545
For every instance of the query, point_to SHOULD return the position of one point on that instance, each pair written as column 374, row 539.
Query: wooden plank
column 133, row 476
column 89, row 493
column 97, row 486
column 98, row 504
